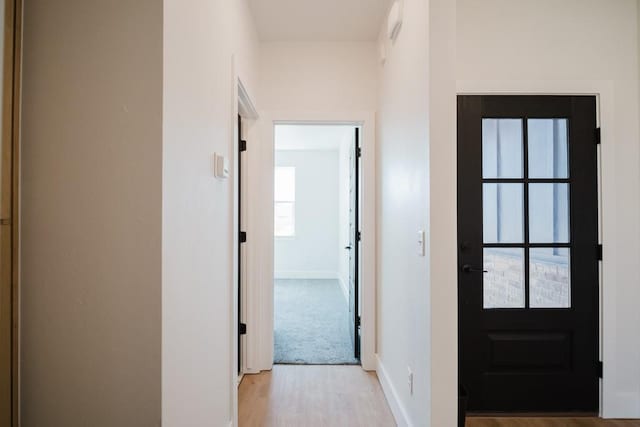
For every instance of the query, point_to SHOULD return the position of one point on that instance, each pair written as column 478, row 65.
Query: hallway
column 467, row 209
column 294, row 395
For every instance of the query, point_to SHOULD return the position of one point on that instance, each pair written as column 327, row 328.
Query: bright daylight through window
column 285, row 201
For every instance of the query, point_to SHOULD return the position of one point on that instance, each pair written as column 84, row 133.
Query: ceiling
column 319, row 20
column 311, row 137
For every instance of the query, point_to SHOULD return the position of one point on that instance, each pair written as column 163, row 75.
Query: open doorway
column 316, row 244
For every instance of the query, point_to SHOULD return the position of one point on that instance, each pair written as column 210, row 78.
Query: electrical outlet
column 410, row 380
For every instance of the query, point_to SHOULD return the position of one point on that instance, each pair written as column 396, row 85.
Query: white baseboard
column 397, row 408
column 624, row 405
column 306, row 275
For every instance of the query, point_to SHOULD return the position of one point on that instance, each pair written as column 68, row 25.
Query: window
column 285, row 201
column 525, row 204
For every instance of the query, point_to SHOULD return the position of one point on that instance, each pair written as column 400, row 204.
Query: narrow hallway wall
column 91, row 213
column 403, row 209
column 202, row 38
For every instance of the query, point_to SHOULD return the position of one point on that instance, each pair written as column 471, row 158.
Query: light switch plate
column 220, row 166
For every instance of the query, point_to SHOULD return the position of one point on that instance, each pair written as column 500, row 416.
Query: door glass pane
column 503, row 282
column 502, row 148
column 502, row 206
column 548, row 148
column 549, row 281
column 549, row 213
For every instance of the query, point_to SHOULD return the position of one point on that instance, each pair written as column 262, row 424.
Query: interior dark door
column 354, row 246
column 242, row 238
column 528, row 253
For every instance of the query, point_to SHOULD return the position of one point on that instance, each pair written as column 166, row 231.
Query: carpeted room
column 311, row 323
column 313, row 201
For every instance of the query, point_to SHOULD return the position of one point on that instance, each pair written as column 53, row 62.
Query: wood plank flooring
column 347, row 396
column 310, row 396
column 548, row 422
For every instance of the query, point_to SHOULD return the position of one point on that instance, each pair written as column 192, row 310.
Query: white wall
column 330, row 82
column 91, row 213
column 318, row 76
column 582, row 47
column 578, row 47
column 403, row 209
column 313, row 252
column 200, row 37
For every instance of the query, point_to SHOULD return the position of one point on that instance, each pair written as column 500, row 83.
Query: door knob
column 469, row 269
column 348, row 247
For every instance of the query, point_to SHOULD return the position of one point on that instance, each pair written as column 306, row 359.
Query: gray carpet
column 311, row 323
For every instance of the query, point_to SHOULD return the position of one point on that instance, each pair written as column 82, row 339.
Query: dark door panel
column 528, row 266
column 354, row 247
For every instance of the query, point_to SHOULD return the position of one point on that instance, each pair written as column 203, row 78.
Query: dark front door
column 528, row 253
column 354, row 246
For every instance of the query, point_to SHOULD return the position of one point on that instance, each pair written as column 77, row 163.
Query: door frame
column 260, row 262
column 604, row 93
column 242, row 106
column 11, row 106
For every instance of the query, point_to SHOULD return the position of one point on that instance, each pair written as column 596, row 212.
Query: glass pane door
column 525, row 203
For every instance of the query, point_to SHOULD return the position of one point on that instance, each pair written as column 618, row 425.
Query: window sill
column 285, row 237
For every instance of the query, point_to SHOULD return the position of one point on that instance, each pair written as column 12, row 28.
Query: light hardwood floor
column 347, row 396
column 548, row 422
column 310, row 396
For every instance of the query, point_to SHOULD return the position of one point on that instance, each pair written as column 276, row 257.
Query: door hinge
column 358, row 152
column 243, row 237
column 243, row 145
column 599, row 253
column 242, row 328
column 358, row 322
column 599, row 369
column 358, row 236
column 597, row 136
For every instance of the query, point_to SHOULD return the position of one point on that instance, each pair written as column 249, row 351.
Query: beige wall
column 91, row 213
